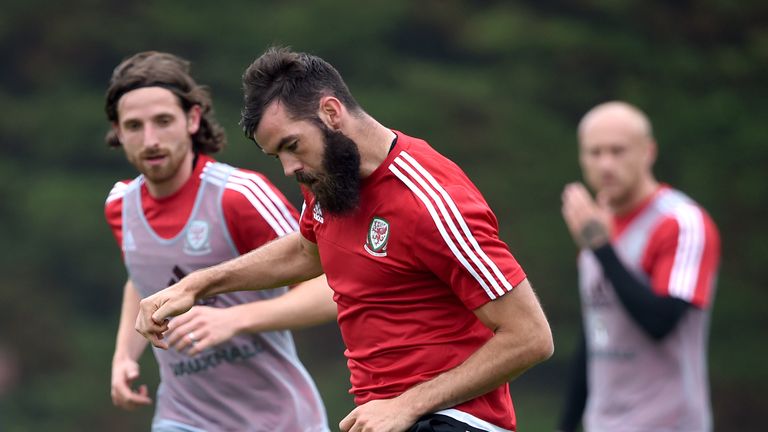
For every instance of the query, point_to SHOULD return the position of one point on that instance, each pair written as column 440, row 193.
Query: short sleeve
column 683, row 256
column 457, row 239
column 113, row 210
column 256, row 212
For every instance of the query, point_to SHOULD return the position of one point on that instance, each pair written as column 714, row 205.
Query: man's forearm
column 309, row 303
column 656, row 315
column 284, row 261
column 521, row 342
column 128, row 343
column 490, row 367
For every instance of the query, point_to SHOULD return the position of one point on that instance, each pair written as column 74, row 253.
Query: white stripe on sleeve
column 269, row 206
column 448, row 217
column 690, row 248
column 462, row 223
column 441, row 228
column 275, row 203
column 247, row 193
column 257, row 198
column 117, row 192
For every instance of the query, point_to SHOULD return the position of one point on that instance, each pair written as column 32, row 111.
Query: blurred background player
column 647, row 272
column 185, row 212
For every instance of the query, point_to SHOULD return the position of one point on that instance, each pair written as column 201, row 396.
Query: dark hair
column 297, row 80
column 157, row 69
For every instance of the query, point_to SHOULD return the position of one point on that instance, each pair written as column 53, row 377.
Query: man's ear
column 115, row 135
column 193, row 119
column 331, row 111
column 653, row 151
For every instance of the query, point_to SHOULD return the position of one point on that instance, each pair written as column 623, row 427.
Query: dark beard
column 337, row 189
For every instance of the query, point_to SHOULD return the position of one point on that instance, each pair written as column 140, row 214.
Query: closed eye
column 289, row 144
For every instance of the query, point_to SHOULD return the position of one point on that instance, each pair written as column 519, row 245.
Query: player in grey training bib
column 647, row 273
column 183, row 213
column 663, row 382
column 254, row 379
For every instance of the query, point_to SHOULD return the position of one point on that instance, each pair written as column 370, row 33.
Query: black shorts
column 442, row 423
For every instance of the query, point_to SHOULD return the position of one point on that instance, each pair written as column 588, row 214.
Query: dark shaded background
column 496, row 85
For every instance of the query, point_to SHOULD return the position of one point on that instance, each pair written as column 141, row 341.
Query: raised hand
column 588, row 221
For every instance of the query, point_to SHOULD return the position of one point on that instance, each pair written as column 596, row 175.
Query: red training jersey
column 682, row 253
column 255, row 211
column 408, row 267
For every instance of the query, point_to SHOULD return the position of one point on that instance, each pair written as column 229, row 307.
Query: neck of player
column 373, row 141
column 644, row 190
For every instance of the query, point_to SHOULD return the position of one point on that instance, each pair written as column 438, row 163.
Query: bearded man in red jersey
column 436, row 313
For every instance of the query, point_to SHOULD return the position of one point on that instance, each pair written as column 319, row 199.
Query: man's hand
column 201, row 328
column 155, row 310
column 383, row 415
column 588, row 222
column 124, row 373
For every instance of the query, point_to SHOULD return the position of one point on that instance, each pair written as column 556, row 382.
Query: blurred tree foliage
column 497, row 85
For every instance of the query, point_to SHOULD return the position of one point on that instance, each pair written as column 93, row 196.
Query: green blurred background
column 498, row 86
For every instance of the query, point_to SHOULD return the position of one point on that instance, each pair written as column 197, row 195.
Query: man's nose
column 150, row 136
column 605, row 161
column 290, row 165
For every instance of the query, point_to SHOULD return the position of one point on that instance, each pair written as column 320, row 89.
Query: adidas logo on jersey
column 129, row 244
column 317, row 213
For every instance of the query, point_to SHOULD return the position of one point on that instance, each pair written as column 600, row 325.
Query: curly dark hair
column 152, row 68
column 296, row 79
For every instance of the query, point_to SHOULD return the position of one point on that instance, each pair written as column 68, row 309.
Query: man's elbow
column 542, row 345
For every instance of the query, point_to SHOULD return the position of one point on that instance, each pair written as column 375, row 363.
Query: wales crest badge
column 378, row 236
